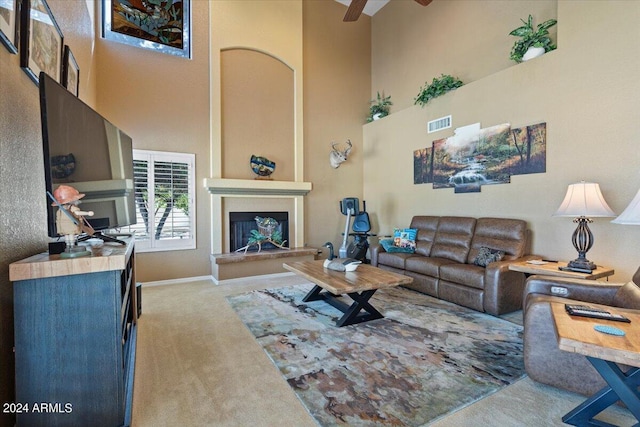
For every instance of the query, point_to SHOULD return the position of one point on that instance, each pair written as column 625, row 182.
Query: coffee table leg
column 622, row 386
column 352, row 313
column 360, row 302
column 313, row 294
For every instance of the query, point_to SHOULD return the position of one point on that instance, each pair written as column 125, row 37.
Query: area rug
column 425, row 359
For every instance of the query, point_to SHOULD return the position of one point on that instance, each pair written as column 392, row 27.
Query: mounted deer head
column 336, row 156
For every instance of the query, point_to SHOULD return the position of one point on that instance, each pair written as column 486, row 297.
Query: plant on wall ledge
column 379, row 107
column 439, row 86
column 533, row 42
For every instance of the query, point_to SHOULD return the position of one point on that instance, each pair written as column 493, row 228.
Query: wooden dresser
column 75, row 338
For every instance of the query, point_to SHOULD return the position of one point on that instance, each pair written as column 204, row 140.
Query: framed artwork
column 40, row 41
column 8, row 29
column 70, row 72
column 160, row 25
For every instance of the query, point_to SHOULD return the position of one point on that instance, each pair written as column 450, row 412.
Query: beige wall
column 468, row 39
column 257, row 113
column 587, row 93
column 23, row 227
column 337, row 58
column 162, row 102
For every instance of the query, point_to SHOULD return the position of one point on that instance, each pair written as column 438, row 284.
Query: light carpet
column 425, row 359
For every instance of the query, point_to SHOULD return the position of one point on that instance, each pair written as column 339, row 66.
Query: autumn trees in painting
column 530, row 148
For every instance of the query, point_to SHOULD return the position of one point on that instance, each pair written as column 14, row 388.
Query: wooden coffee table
column 359, row 285
column 576, row 335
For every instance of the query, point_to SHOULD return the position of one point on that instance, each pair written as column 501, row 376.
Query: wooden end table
column 576, row 335
column 550, row 268
column 360, row 285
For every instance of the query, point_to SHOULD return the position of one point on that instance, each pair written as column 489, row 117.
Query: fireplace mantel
column 257, row 187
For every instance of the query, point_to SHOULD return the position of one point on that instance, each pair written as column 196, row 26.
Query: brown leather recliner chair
column 543, row 360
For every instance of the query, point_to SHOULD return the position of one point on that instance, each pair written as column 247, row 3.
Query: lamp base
column 582, row 264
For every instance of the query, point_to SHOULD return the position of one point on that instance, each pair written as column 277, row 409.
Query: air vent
column 439, row 124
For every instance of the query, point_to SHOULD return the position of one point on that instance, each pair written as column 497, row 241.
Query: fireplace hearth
column 242, row 223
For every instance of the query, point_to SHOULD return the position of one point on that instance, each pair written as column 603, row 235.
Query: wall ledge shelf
column 257, row 187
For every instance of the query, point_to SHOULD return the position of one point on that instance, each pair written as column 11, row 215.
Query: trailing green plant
column 438, row 87
column 379, row 107
column 531, row 37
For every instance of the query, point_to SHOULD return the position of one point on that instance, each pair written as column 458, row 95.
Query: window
column 165, row 200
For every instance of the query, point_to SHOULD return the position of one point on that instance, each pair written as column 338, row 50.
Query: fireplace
column 242, row 223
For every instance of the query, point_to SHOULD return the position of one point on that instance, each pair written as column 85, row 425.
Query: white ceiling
column 371, row 8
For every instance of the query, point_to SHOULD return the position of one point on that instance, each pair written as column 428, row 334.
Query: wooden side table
column 550, row 268
column 577, row 335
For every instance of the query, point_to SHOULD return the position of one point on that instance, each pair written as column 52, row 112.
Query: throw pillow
column 487, row 255
column 405, row 237
column 388, row 246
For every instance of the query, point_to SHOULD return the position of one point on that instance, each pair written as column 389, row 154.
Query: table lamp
column 583, row 201
column 631, row 215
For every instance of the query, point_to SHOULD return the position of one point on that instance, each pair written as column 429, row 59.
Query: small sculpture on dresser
column 70, row 219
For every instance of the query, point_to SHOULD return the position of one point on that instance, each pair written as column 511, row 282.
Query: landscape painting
column 423, row 166
column 529, row 149
column 474, row 157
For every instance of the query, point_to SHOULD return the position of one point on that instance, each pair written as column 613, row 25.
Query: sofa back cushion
column 427, row 227
column 453, row 238
column 502, row 234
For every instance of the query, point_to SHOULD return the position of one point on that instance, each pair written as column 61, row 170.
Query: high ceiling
column 371, row 8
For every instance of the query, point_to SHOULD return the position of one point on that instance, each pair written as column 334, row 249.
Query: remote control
column 585, row 307
column 585, row 311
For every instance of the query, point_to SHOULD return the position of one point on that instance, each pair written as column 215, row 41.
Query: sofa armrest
column 593, row 291
column 503, row 288
column 374, row 250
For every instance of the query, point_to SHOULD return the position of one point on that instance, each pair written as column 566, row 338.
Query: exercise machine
column 357, row 248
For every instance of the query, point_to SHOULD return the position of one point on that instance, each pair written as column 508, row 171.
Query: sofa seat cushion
column 425, row 265
column 395, row 259
column 465, row 274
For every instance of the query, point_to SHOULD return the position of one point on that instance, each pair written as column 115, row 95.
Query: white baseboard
column 213, row 280
column 241, row 279
column 175, row 281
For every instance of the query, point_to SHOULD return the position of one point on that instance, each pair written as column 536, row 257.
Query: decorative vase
column 532, row 52
column 377, row 116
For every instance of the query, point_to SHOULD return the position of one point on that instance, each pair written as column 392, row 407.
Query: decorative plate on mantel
column 262, row 167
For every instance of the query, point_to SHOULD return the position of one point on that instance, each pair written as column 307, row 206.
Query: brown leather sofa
column 543, row 360
column 443, row 263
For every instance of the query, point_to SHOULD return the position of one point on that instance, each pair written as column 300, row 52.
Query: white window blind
column 165, row 200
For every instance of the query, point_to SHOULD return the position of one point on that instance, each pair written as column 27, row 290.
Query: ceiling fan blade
column 354, row 11
column 424, row 2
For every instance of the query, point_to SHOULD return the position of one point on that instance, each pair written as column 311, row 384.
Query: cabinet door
column 69, row 350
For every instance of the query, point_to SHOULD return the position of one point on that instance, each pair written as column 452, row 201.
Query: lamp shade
column 631, row 214
column 584, row 199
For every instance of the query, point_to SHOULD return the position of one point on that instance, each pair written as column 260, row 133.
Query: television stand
column 104, row 237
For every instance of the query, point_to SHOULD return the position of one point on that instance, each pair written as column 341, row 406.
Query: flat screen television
column 84, row 150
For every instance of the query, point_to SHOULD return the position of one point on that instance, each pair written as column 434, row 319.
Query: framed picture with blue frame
column 159, row 25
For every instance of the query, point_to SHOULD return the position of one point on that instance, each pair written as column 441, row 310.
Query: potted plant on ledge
column 438, row 87
column 533, row 42
column 379, row 107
